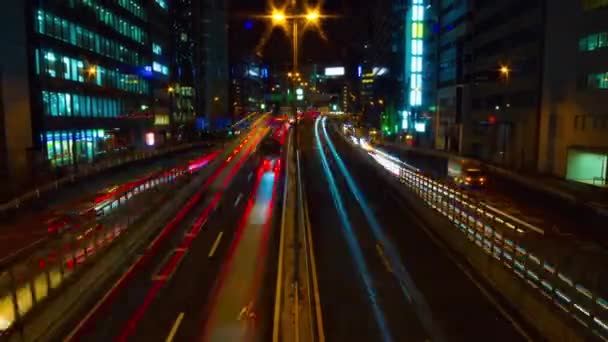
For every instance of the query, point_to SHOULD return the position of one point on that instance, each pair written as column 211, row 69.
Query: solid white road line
column 215, row 244
column 175, row 326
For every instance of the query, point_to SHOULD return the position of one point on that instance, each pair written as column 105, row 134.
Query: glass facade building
column 96, row 68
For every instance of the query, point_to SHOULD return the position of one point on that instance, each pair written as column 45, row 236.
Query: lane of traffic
column 137, row 290
column 437, row 308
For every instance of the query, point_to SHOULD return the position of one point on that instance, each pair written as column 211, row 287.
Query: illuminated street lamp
column 313, row 16
column 278, row 17
column 504, row 70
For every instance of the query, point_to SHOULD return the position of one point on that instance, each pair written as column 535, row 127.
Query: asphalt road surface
column 212, row 276
column 380, row 275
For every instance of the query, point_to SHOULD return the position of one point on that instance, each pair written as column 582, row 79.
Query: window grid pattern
column 417, row 10
column 62, row 145
column 119, row 24
column 69, row 32
column 598, row 81
column 133, row 7
column 54, row 65
column 593, row 41
column 70, row 104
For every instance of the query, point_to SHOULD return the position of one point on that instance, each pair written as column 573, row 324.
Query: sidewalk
column 576, row 193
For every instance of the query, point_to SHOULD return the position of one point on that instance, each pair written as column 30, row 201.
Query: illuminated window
column 157, row 49
column 134, row 7
column 76, row 35
column 416, row 47
column 416, row 64
column 594, row 41
column 598, row 81
column 417, row 31
column 417, row 13
column 100, row 75
column 160, row 68
column 114, row 21
column 162, row 4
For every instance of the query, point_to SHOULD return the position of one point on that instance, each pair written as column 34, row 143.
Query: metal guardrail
column 499, row 239
column 26, row 283
column 88, row 170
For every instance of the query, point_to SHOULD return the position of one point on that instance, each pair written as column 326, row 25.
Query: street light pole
column 296, row 42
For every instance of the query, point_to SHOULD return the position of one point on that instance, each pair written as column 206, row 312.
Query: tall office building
column 187, row 87
column 448, row 32
column 215, row 73
column 381, row 68
column 248, row 82
column 80, row 79
column 573, row 139
column 504, row 82
column 485, row 61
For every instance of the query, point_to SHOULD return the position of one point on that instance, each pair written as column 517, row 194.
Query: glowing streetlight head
column 312, row 15
column 170, row 89
column 504, row 70
column 278, row 16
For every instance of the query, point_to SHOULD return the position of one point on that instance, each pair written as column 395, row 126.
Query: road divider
column 295, row 316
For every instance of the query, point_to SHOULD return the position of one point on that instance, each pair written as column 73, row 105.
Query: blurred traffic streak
column 136, row 290
column 571, row 279
column 555, row 217
column 362, row 278
column 76, row 239
column 240, row 278
column 94, row 197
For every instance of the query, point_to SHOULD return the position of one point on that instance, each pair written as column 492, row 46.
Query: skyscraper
column 485, row 58
column 79, row 79
column 214, row 30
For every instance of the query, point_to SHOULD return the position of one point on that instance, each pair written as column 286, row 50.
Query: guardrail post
column 429, row 190
column 13, row 289
column 60, row 256
column 48, row 274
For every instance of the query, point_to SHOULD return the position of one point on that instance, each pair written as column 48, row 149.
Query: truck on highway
column 466, row 173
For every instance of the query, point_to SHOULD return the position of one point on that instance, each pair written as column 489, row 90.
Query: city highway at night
column 381, row 270
column 304, row 171
column 379, row 265
column 194, row 274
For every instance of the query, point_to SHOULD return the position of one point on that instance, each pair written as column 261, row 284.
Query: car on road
column 466, row 173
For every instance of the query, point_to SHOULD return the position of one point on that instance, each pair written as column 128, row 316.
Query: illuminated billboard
column 334, row 71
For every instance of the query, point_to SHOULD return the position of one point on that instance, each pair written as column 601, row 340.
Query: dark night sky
column 342, row 33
